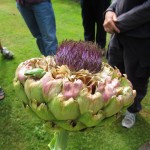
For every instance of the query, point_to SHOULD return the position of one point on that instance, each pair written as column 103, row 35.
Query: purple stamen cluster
column 79, row 55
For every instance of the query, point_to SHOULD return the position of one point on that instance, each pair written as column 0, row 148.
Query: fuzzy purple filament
column 79, row 55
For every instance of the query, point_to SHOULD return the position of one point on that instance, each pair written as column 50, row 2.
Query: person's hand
column 109, row 22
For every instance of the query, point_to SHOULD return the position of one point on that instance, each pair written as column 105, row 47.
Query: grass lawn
column 18, row 130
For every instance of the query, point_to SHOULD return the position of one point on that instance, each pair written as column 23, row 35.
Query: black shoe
column 6, row 53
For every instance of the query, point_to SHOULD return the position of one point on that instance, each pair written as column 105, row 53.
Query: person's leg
column 100, row 34
column 45, row 18
column 137, row 68
column 138, row 72
column 100, row 7
column 115, row 54
column 140, row 84
column 88, row 20
column 115, row 58
column 31, row 22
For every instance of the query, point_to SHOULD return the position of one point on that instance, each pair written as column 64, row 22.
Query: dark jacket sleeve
column 134, row 18
column 112, row 6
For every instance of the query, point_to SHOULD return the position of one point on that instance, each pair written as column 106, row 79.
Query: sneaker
column 2, row 95
column 129, row 120
column 6, row 53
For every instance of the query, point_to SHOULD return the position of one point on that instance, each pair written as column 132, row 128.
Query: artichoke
column 74, row 89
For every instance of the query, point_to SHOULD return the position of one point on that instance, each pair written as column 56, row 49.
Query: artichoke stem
column 59, row 142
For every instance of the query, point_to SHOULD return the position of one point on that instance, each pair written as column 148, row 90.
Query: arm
column 134, row 18
column 110, row 22
column 110, row 19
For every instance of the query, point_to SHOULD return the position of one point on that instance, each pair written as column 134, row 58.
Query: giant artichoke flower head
column 73, row 90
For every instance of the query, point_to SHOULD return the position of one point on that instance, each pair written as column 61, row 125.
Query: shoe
column 2, row 94
column 6, row 53
column 129, row 120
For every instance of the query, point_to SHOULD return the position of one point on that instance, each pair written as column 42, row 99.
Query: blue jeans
column 40, row 20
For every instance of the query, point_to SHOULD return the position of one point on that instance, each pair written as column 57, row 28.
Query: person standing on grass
column 129, row 49
column 92, row 19
column 40, row 19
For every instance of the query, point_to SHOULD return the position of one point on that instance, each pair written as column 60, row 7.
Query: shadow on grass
column 133, row 138
column 113, row 137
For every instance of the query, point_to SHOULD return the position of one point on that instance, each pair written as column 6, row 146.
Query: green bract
column 70, row 99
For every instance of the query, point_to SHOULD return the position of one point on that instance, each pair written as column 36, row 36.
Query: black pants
column 132, row 57
column 92, row 16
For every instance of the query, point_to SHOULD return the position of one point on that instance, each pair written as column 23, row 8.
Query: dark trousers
column 92, row 16
column 132, row 57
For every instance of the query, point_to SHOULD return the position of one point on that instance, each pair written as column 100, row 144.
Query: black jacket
column 133, row 17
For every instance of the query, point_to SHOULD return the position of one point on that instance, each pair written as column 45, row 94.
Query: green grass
column 18, row 130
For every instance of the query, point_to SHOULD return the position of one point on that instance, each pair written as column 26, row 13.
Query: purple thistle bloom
column 79, row 55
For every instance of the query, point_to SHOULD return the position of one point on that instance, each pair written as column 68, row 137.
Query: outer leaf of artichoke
column 128, row 96
column 19, row 89
column 33, row 89
column 70, row 125
column 64, row 109
column 51, row 89
column 89, row 119
column 42, row 111
column 114, row 106
column 88, row 102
